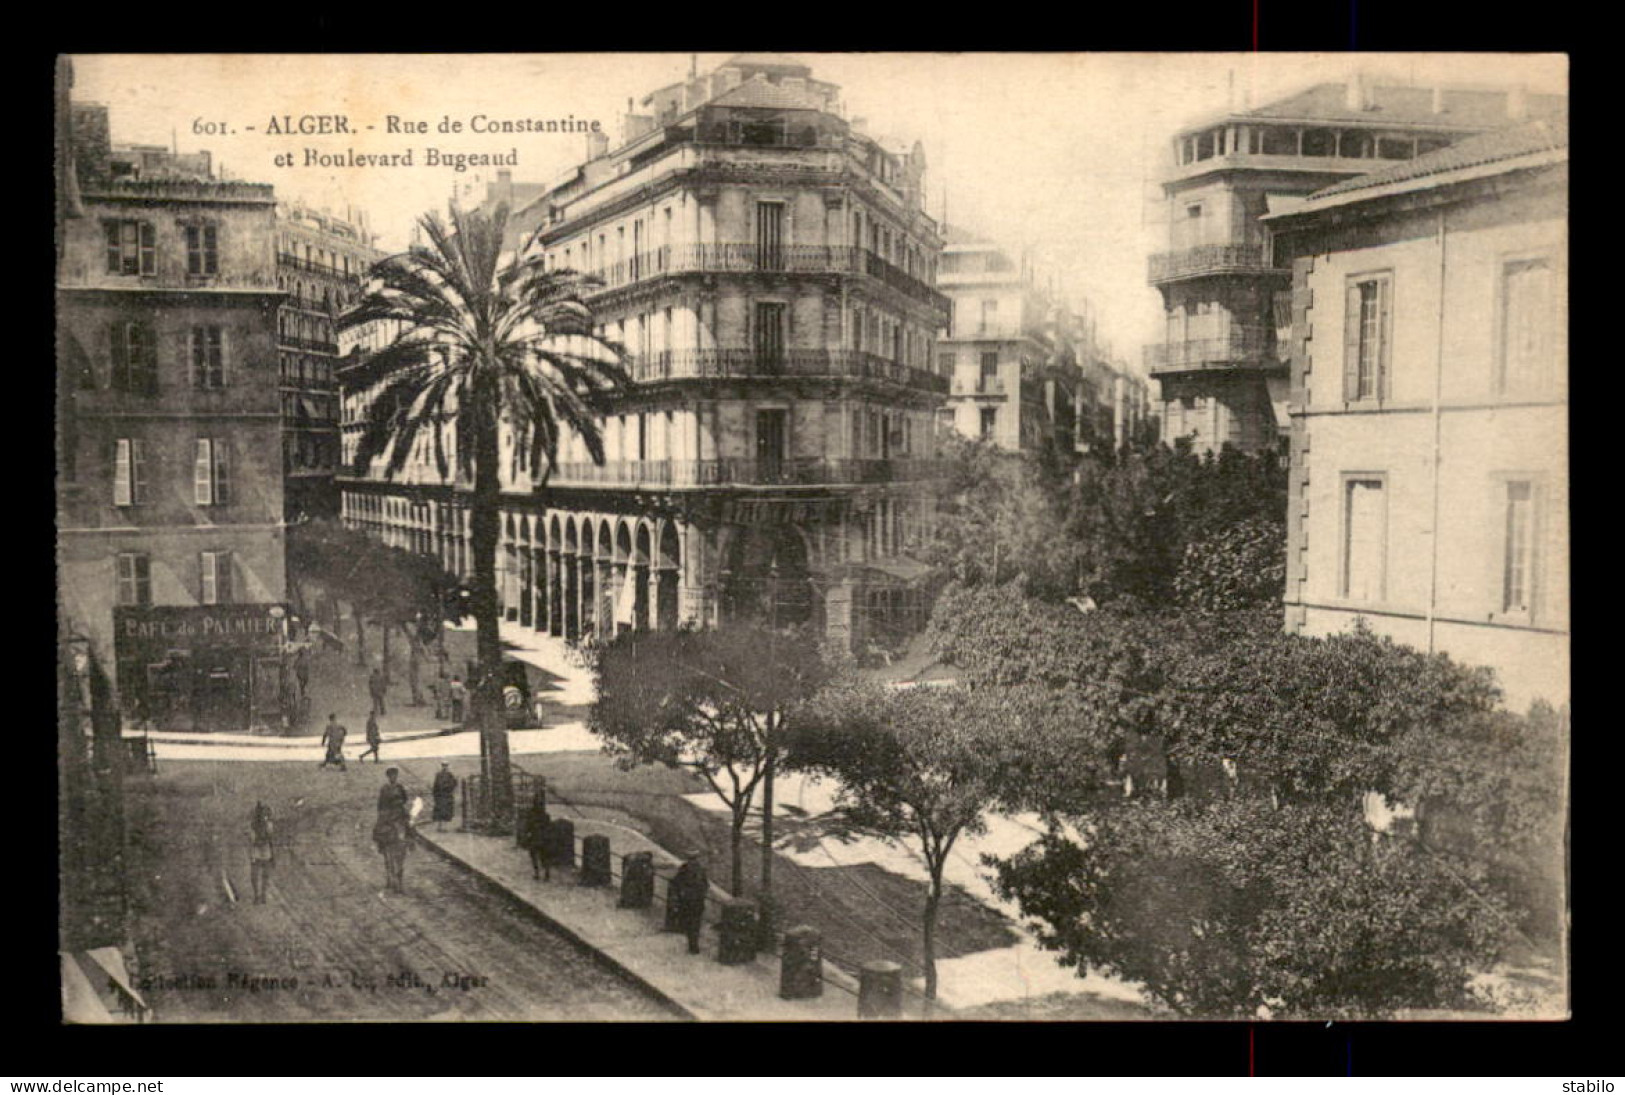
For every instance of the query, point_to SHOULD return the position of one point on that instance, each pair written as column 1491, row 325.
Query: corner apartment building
column 1222, row 366
column 169, row 480
column 770, row 269
column 320, row 261
column 1429, row 488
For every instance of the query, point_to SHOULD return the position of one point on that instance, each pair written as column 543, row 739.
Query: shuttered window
column 215, row 568
column 1367, row 334
column 129, row 472
column 203, row 250
column 134, row 578
column 770, row 235
column 1527, row 324
column 131, row 247
column 208, row 358
column 134, row 359
column 1365, row 539
column 1517, row 571
column 211, row 473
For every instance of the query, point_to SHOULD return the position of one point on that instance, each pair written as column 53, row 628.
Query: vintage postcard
column 812, row 536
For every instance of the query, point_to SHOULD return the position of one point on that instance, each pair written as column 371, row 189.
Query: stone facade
column 1429, row 487
column 770, row 271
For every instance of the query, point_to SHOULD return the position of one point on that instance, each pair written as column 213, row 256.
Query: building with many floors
column 1221, row 366
column 320, row 262
column 169, row 478
column 1429, row 485
column 770, row 269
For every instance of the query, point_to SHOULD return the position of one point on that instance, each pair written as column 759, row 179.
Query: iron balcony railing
column 978, row 385
column 1242, row 346
column 801, row 364
column 314, row 345
column 751, row 258
column 1210, row 259
column 812, row 471
column 327, row 269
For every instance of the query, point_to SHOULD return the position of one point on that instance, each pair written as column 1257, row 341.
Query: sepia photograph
column 807, row 537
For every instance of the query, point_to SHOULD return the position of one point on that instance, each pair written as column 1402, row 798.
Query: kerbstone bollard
column 801, row 968
column 561, row 843
column 737, row 930
column 638, row 880
column 595, row 861
column 880, row 990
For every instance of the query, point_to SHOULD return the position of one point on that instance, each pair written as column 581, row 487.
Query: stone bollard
column 638, row 880
column 880, row 991
column 595, row 861
column 560, row 850
column 801, row 968
column 737, row 929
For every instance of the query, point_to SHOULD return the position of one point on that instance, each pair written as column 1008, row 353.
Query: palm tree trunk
column 485, row 521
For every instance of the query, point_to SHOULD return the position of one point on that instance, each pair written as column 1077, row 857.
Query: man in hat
column 689, row 887
column 374, row 739
column 392, row 830
column 333, row 738
column 377, row 688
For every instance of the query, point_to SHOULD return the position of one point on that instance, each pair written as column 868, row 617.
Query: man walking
column 689, row 887
column 333, row 738
column 261, row 852
column 374, row 740
column 376, row 687
column 392, row 830
column 459, row 699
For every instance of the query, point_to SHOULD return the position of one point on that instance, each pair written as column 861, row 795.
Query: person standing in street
column 333, row 738
column 445, row 796
column 689, row 887
column 393, row 829
column 459, row 700
column 374, row 740
column 533, row 836
column 376, row 688
column 301, row 672
column 261, row 853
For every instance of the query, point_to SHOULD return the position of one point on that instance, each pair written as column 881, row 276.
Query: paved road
column 329, row 944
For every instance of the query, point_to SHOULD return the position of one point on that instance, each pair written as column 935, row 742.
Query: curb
column 561, row 929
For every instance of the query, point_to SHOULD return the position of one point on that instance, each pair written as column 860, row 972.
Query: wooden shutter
column 120, row 353
column 194, row 341
column 1351, row 343
column 211, row 250
column 201, row 480
column 222, row 472
column 142, row 566
column 138, row 470
column 1381, row 383
column 210, row 591
column 125, row 578
column 149, row 249
column 194, row 251
column 121, row 472
column 111, row 229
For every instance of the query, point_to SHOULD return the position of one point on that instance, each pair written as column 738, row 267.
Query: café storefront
column 201, row 667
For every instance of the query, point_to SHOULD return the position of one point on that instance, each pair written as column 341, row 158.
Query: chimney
column 1355, row 93
column 597, row 145
column 1518, row 103
column 505, row 186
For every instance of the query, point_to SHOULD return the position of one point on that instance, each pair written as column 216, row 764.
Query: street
column 329, row 944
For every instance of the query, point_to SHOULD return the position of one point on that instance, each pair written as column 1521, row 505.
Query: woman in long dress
column 445, row 796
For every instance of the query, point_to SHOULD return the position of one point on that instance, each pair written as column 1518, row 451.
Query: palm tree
column 482, row 340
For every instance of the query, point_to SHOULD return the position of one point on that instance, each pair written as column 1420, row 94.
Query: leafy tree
column 919, row 765
column 1224, row 907
column 719, row 702
column 1237, row 566
column 483, row 341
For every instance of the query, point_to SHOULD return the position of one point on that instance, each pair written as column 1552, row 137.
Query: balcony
column 799, row 364
column 749, row 258
column 807, row 472
column 1210, row 260
column 313, row 345
column 1242, row 347
column 979, row 385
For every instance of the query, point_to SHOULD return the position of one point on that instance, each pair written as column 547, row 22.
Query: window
column 990, row 419
column 134, row 578
column 202, row 249
column 770, row 235
column 211, row 473
column 129, row 472
column 208, row 368
column 135, row 359
column 770, row 317
column 216, row 578
column 131, row 247
column 1517, row 563
column 1526, row 324
column 945, row 364
column 1366, row 336
column 1365, row 539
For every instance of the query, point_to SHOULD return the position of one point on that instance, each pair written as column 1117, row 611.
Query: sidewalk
column 631, row 939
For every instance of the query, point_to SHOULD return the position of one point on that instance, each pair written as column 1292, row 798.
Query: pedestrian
column 376, row 687
column 689, row 887
column 442, row 703
column 393, row 829
column 533, row 832
column 374, row 740
column 301, row 671
column 261, row 853
column 459, row 699
column 445, row 796
column 333, row 737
